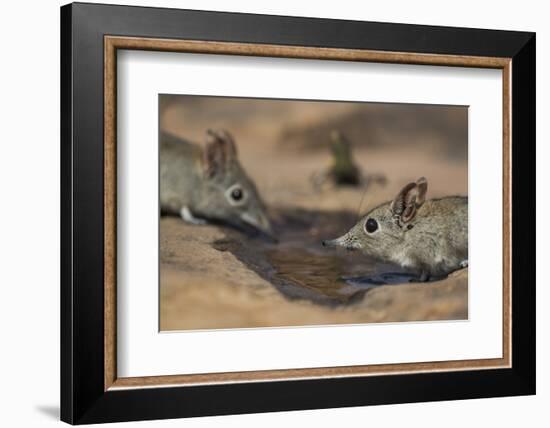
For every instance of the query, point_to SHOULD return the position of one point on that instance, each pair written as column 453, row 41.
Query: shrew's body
column 208, row 183
column 429, row 237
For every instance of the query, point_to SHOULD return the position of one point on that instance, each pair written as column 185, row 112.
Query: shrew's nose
column 329, row 243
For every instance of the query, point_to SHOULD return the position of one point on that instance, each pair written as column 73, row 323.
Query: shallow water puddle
column 388, row 278
column 300, row 268
column 321, row 274
column 334, row 278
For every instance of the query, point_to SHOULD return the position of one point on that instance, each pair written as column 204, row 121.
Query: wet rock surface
column 213, row 277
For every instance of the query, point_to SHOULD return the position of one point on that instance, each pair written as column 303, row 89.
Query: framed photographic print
column 265, row 213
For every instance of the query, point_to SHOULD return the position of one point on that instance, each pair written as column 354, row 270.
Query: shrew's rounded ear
column 219, row 153
column 408, row 200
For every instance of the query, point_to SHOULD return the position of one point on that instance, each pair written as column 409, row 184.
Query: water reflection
column 300, row 268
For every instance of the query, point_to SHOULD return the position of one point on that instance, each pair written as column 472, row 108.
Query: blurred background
column 283, row 142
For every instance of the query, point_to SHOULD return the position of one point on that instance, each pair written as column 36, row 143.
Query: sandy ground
column 216, row 277
column 202, row 287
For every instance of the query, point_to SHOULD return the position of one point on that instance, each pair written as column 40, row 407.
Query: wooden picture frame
column 91, row 390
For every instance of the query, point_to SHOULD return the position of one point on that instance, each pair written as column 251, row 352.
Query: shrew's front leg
column 188, row 217
column 424, row 276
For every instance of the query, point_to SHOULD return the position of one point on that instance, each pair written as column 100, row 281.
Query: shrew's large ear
column 219, row 153
column 408, row 200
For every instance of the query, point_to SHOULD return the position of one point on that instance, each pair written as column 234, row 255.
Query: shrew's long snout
column 346, row 241
column 260, row 222
column 330, row 242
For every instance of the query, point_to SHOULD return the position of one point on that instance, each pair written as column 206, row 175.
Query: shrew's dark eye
column 237, row 194
column 371, row 225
